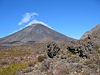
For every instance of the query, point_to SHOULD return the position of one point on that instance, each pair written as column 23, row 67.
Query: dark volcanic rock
column 53, row 49
column 82, row 48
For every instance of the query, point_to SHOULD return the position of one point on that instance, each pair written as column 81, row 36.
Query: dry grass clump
column 41, row 58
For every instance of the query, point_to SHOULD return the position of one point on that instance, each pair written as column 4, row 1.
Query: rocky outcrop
column 52, row 49
column 82, row 48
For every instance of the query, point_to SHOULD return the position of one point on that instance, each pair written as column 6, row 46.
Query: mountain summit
column 36, row 32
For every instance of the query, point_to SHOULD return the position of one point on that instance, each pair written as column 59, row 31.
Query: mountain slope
column 34, row 33
column 93, row 35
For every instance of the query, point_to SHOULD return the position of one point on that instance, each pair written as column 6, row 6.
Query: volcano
column 36, row 32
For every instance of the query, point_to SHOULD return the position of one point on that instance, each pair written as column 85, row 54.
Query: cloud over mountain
column 38, row 22
column 28, row 17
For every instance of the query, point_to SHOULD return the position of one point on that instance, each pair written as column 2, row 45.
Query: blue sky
column 70, row 17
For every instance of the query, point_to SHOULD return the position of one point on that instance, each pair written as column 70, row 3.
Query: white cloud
column 35, row 14
column 38, row 22
column 27, row 17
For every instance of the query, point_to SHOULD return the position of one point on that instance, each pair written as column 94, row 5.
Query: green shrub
column 12, row 69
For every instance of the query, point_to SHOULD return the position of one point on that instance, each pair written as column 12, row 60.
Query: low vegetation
column 12, row 69
column 50, row 59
